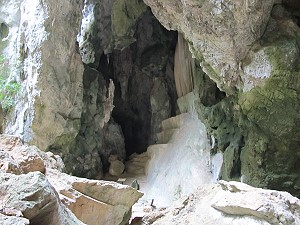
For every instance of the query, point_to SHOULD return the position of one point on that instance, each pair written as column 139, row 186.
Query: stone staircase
column 169, row 127
column 175, row 166
column 137, row 164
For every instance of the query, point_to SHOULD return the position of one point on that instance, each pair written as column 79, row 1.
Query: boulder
column 95, row 202
column 31, row 196
column 19, row 158
column 116, row 168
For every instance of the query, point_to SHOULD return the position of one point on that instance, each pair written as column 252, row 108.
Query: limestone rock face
column 42, row 36
column 250, row 51
column 221, row 33
column 13, row 220
column 145, row 88
column 107, row 25
column 99, row 136
column 230, row 203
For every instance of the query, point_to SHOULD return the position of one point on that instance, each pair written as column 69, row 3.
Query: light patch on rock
column 230, row 203
column 259, row 69
column 216, row 163
column 86, row 48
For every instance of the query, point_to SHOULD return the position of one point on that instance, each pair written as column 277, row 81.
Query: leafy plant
column 8, row 88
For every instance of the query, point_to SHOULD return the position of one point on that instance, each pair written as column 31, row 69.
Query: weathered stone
column 13, row 220
column 7, row 165
column 125, row 14
column 32, row 195
column 42, row 38
column 105, row 202
column 220, row 33
column 95, row 202
column 184, row 68
column 116, row 168
column 160, row 107
column 28, row 159
column 230, row 203
column 143, row 74
column 257, row 127
column 99, row 135
column 19, row 158
column 107, row 25
column 272, row 206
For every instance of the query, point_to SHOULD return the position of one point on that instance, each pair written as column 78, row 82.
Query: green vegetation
column 8, row 88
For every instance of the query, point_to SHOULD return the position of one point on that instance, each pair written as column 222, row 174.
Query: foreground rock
column 230, row 203
column 29, row 196
column 95, row 201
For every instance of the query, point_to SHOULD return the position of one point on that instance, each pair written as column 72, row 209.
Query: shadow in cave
column 136, row 71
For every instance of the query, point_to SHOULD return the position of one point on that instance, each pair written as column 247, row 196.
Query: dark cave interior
column 133, row 71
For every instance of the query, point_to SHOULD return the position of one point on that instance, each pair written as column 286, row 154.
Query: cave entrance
column 145, row 92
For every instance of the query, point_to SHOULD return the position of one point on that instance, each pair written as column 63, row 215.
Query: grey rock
column 37, row 200
column 116, row 168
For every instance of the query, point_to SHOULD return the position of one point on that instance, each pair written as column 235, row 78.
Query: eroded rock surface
column 230, row 203
column 221, row 32
column 53, row 197
column 42, row 53
column 35, row 199
column 95, row 202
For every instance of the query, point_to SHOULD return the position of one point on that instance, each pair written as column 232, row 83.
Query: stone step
column 133, row 170
column 139, row 159
column 165, row 136
column 174, row 122
column 156, row 148
column 135, row 156
column 135, row 164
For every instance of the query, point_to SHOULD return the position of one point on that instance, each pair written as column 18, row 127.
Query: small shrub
column 8, row 88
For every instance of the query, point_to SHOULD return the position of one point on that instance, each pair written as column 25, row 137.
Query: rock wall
column 128, row 85
column 43, row 56
column 250, row 50
column 61, row 52
column 219, row 31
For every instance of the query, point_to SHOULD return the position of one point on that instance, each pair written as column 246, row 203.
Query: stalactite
column 184, row 67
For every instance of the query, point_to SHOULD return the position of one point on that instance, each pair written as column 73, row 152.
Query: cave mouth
column 145, row 91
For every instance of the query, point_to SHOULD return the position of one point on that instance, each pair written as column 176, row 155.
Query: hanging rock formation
column 184, row 68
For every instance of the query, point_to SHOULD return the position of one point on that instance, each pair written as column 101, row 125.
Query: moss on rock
column 125, row 14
